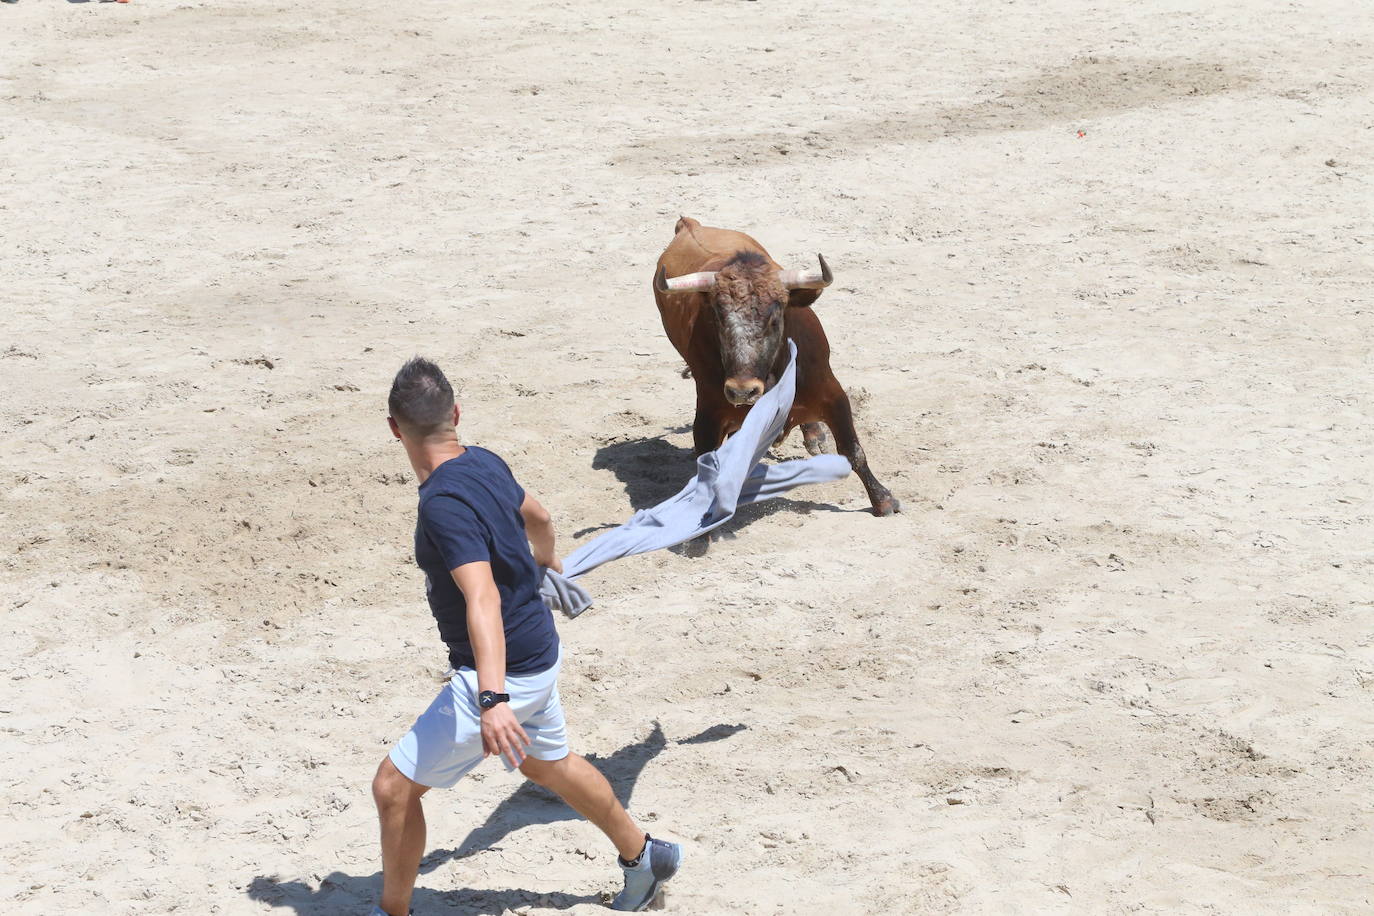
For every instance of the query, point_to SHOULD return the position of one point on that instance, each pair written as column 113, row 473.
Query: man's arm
column 539, row 529
column 501, row 732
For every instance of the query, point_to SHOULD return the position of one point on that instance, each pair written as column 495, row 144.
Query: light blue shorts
column 446, row 741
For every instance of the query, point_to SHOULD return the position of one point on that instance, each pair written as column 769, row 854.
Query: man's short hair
column 421, row 399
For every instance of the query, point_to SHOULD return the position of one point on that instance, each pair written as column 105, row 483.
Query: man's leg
column 403, row 834
column 588, row 793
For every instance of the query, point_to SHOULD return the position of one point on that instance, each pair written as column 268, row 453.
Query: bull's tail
column 685, row 222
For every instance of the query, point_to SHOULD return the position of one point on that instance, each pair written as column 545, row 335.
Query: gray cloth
column 727, row 478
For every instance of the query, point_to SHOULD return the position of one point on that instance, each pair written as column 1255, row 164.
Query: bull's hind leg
column 815, row 438
column 840, row 418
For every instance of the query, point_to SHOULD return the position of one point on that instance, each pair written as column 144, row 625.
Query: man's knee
column 544, row 772
column 392, row 787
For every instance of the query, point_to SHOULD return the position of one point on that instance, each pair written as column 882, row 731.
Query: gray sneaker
column 656, row 864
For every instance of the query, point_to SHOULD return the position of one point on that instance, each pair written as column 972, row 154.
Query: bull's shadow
column 653, row 469
column 527, row 806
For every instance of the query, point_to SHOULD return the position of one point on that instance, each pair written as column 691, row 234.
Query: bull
column 727, row 307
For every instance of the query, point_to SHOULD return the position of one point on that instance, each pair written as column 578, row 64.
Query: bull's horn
column 686, row 283
column 807, row 279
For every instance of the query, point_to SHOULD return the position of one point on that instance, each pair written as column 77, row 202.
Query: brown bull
column 727, row 306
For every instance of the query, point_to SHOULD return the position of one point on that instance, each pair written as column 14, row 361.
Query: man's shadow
column 527, row 806
column 342, row 893
column 531, row 804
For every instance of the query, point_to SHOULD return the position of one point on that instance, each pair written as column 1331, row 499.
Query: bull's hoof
column 888, row 505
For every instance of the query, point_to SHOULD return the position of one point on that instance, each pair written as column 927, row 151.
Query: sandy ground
column 1103, row 301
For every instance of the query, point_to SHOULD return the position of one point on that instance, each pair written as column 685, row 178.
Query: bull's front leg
column 715, row 421
column 708, row 434
column 705, row 431
column 840, row 418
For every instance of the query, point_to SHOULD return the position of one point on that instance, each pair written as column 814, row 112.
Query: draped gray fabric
column 727, row 478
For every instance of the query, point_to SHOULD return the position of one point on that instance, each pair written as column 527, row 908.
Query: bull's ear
column 802, row 298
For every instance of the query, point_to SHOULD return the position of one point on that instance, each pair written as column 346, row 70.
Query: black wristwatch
column 489, row 698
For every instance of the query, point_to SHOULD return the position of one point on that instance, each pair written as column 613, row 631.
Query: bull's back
column 686, row 315
column 696, row 247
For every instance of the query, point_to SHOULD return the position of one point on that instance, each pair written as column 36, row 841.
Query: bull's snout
column 743, row 391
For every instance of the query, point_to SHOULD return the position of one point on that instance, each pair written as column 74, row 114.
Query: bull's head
column 749, row 298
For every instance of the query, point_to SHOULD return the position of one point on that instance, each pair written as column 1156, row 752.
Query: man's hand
column 555, row 564
column 502, row 734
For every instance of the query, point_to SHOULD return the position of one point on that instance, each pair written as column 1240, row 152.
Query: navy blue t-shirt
column 470, row 512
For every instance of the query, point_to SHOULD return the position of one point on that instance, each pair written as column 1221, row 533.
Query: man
column 473, row 540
